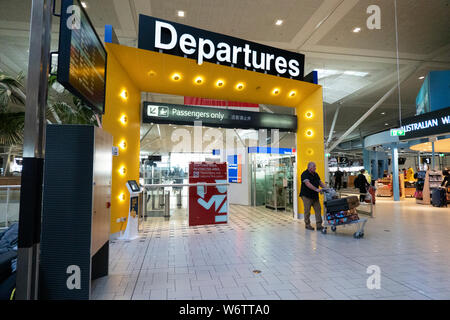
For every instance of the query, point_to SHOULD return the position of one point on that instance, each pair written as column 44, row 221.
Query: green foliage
column 11, row 128
column 11, row 91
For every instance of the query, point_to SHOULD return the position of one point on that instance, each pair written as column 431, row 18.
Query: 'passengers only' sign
column 214, row 117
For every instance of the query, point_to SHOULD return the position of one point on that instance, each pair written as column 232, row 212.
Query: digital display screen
column 134, row 186
column 82, row 57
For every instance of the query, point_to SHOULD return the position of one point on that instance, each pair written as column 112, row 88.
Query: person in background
column 362, row 184
column 446, row 181
column 368, row 177
column 338, row 179
column 310, row 195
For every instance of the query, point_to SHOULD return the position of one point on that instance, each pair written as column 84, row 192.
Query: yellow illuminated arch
column 136, row 70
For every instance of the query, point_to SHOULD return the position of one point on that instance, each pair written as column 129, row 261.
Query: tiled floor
column 409, row 242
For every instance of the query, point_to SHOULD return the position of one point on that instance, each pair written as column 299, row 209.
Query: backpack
column 357, row 181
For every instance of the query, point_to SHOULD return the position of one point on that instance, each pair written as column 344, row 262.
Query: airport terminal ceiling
column 357, row 66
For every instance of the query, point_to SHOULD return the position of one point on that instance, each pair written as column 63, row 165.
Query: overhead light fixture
column 357, row 29
column 386, row 124
column 279, row 22
column 240, row 86
column 83, row 4
column 180, row 13
column 275, row 91
column 292, row 93
column 383, row 113
column 421, row 78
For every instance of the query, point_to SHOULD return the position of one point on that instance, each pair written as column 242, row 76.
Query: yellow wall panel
column 310, row 148
column 118, row 106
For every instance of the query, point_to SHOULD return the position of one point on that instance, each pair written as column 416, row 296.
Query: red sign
column 194, row 101
column 208, row 204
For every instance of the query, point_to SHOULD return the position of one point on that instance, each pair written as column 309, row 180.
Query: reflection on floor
column 408, row 242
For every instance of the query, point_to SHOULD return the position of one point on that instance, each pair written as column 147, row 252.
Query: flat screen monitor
column 134, row 186
column 81, row 56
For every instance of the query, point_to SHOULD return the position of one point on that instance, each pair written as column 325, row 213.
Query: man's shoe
column 319, row 228
column 309, row 228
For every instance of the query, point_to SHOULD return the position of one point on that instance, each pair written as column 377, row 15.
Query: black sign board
column 427, row 124
column 185, row 41
column 216, row 117
column 81, row 56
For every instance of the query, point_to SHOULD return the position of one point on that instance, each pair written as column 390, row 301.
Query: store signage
column 208, row 204
column 427, row 124
column 270, row 150
column 397, row 132
column 235, row 168
column 214, row 117
column 81, row 56
column 205, row 46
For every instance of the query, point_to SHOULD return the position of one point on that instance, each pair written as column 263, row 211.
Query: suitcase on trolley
column 439, row 198
column 337, row 205
column 353, row 202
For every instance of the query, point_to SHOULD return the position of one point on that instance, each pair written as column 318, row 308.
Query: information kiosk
column 131, row 231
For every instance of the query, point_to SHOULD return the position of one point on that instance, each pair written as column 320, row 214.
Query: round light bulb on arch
column 309, row 133
column 220, row 83
column 124, row 94
column 123, row 119
column 292, row 93
column 240, row 86
column 123, row 170
column 275, row 91
column 309, row 114
column 121, row 196
column 176, row 76
column 123, row 144
column 198, row 80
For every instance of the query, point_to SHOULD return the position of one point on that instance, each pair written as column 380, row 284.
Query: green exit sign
column 397, row 132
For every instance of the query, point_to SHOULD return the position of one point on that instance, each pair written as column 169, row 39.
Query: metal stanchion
column 167, row 205
column 179, row 199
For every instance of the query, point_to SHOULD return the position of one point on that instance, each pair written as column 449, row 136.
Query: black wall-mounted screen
column 154, row 158
column 134, row 186
column 81, row 56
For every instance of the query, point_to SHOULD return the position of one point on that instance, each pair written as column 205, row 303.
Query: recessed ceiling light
column 83, row 4
column 279, row 22
column 421, row 78
column 386, row 124
column 357, row 29
column 181, row 13
column 383, row 113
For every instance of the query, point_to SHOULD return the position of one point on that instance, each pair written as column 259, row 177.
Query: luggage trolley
column 331, row 195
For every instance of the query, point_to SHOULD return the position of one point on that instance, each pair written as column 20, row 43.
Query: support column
column 432, row 156
column 33, row 152
column 310, row 137
column 366, row 161
column 375, row 174
column 395, row 182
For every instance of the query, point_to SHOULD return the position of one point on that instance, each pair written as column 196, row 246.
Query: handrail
column 184, row 185
column 16, row 186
